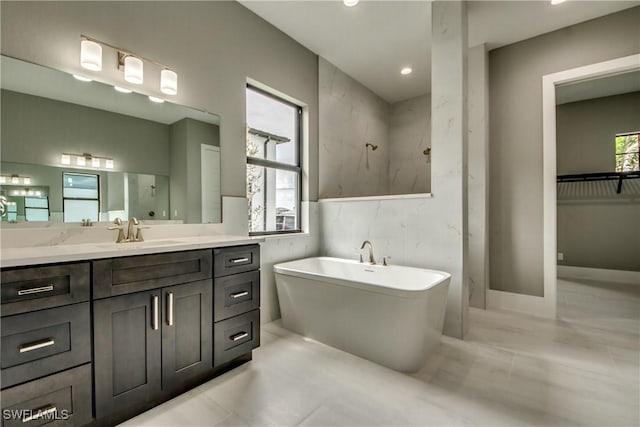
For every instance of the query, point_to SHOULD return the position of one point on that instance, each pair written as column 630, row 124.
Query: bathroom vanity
column 99, row 333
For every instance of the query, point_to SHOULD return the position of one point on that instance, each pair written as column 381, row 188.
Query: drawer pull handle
column 239, row 336
column 154, row 314
column 239, row 260
column 240, row 294
column 47, row 288
column 40, row 413
column 36, row 345
column 170, row 309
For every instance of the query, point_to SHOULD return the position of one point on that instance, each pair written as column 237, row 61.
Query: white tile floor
column 511, row 370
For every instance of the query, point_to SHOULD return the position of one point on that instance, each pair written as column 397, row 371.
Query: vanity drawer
column 36, row 288
column 236, row 259
column 118, row 276
column 43, row 342
column 235, row 337
column 236, row 294
column 59, row 399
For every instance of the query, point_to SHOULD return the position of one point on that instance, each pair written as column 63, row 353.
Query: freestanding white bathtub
column 391, row 315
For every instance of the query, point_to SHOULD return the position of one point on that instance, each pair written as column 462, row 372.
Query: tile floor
column 511, row 370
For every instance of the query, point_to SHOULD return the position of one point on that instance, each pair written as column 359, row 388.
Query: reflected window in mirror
column 81, row 197
column 274, row 172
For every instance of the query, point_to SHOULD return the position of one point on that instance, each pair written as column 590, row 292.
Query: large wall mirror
column 74, row 150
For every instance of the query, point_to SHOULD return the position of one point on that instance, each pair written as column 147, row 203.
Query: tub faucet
column 372, row 260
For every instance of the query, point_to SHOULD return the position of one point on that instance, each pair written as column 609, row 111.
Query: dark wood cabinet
column 161, row 324
column 127, row 359
column 187, row 335
column 149, row 342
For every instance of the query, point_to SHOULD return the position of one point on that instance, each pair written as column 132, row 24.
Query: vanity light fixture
column 90, row 55
column 156, row 99
column 131, row 63
column 406, row 70
column 82, row 78
column 350, row 3
column 168, row 82
column 133, row 70
column 86, row 160
column 122, row 89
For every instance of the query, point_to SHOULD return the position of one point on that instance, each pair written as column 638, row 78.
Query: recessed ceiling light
column 122, row 89
column 406, row 70
column 82, row 78
column 156, row 99
column 350, row 3
column 555, row 2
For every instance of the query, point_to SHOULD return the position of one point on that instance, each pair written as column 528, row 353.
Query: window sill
column 275, row 236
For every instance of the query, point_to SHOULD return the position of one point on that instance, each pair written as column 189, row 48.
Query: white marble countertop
column 14, row 257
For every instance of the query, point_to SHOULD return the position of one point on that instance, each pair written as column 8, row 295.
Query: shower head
column 373, row 147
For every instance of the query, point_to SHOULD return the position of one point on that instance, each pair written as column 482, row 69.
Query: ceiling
column 373, row 40
column 615, row 84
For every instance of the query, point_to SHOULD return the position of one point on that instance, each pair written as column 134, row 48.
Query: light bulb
column 156, row 99
column 3, row 179
column 90, row 55
column 65, row 159
column 15, row 180
column 26, row 180
column 122, row 89
column 168, row 82
column 95, row 162
column 108, row 164
column 555, row 2
column 81, row 161
column 350, row 3
column 133, row 68
column 406, row 70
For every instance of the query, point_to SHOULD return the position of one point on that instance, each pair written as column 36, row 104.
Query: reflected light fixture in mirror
column 90, row 55
column 156, row 99
column 122, row 89
column 15, row 180
column 350, row 3
column 87, row 160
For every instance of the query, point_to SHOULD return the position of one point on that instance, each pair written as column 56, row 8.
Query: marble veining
column 409, row 136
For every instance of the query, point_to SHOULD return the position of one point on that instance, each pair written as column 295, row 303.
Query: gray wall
column 516, row 137
column 37, row 130
column 213, row 46
column 185, row 186
column 600, row 232
column 351, row 116
column 409, row 135
column 586, row 131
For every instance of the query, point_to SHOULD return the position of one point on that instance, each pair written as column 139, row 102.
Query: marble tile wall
column 350, row 115
column 409, row 136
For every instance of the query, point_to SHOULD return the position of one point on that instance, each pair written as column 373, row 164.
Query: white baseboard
column 537, row 306
column 602, row 274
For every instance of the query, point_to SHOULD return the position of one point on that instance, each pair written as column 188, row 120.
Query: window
column 36, row 208
column 274, row 174
column 80, row 196
column 627, row 152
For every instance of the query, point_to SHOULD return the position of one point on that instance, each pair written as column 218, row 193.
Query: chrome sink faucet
column 372, row 260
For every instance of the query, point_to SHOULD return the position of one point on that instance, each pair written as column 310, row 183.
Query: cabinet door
column 127, row 350
column 187, row 332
